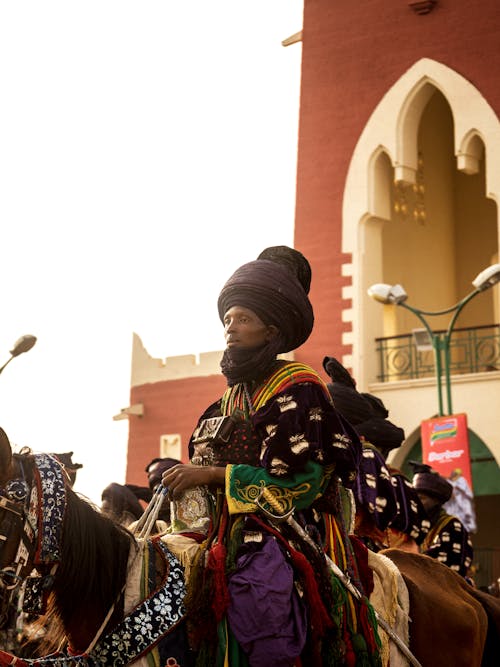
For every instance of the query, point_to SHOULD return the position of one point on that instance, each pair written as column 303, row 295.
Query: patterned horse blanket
column 153, row 631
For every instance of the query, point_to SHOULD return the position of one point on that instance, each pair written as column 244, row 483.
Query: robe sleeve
column 300, row 425
column 245, row 485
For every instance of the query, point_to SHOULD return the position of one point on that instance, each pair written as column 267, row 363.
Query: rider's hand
column 182, row 476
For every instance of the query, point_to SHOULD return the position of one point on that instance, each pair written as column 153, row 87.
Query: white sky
column 147, row 149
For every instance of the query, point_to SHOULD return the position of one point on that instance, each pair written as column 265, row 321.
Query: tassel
column 217, row 565
column 198, row 601
column 369, row 627
column 206, row 656
column 235, row 540
column 363, row 657
column 320, row 619
column 340, row 596
column 350, row 655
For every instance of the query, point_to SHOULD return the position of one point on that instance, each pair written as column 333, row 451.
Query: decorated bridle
column 35, row 515
column 11, row 522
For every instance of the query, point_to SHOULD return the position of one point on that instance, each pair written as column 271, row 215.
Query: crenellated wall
column 173, row 393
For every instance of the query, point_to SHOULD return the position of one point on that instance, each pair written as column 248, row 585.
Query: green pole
column 442, row 343
column 436, row 344
column 445, row 342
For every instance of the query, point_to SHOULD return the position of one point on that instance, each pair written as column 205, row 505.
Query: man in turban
column 447, row 540
column 121, row 502
column 275, row 430
column 366, row 412
column 388, row 510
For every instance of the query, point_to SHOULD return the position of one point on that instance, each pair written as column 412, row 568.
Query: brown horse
column 452, row 622
column 82, row 560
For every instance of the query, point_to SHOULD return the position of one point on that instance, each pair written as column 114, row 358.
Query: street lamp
column 23, row 344
column 396, row 295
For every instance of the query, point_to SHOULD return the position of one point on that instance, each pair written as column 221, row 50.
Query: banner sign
column 445, row 445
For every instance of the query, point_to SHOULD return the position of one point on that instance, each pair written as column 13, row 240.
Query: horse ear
column 5, row 455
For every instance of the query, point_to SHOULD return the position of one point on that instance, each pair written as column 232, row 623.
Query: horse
column 83, row 561
column 452, row 623
column 77, row 564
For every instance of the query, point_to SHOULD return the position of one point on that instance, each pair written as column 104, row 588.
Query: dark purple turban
column 366, row 412
column 121, row 500
column 382, row 433
column 275, row 295
column 434, row 485
column 428, row 481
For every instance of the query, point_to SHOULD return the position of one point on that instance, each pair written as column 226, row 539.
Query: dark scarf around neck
column 246, row 364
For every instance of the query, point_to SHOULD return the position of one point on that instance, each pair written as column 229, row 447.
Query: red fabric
column 7, row 659
column 365, row 573
column 350, row 655
column 367, row 629
column 217, row 565
column 197, row 537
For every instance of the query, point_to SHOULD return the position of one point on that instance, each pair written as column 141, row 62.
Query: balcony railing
column 472, row 350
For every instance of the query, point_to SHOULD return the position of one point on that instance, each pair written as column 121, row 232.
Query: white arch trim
column 395, row 114
column 389, row 131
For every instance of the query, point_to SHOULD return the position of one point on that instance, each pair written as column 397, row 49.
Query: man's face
column 243, row 328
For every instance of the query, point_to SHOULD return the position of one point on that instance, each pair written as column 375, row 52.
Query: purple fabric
column 265, row 613
column 433, row 484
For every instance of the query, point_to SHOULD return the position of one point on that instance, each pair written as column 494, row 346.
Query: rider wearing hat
column 388, row 510
column 275, row 428
column 447, row 540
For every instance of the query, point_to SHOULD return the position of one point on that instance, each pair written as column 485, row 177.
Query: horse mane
column 91, row 574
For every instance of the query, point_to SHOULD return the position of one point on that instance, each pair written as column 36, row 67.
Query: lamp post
column 23, row 344
column 396, row 295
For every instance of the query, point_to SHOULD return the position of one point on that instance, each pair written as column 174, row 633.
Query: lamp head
column 388, row 294
column 487, row 278
column 23, row 344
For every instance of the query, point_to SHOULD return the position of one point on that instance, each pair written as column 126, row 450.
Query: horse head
column 15, row 552
column 32, row 503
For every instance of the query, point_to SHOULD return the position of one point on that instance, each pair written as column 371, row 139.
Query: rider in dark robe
column 388, row 510
column 447, row 540
column 274, row 429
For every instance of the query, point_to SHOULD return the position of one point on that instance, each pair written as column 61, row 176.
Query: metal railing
column 486, row 565
column 472, row 350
